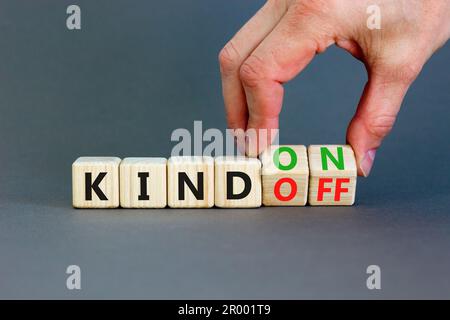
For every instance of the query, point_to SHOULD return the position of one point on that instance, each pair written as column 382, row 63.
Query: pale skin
column 282, row 38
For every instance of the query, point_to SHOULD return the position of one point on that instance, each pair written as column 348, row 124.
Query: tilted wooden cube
column 190, row 182
column 143, row 183
column 332, row 175
column 237, row 182
column 285, row 173
column 95, row 182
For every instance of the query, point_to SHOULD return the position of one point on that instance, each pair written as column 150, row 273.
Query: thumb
column 376, row 114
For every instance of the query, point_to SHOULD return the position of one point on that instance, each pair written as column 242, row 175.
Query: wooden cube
column 237, row 182
column 332, row 174
column 190, row 182
column 285, row 173
column 95, row 182
column 143, row 183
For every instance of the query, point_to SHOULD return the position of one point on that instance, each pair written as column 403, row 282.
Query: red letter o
column 277, row 189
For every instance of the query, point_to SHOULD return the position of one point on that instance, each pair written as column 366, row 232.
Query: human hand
column 285, row 35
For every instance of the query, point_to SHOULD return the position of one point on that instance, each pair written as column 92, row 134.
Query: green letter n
column 339, row 163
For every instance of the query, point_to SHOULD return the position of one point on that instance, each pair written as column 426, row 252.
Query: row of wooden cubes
column 286, row 175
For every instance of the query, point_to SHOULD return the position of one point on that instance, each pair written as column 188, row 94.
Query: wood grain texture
column 332, row 179
column 191, row 165
column 248, row 166
column 109, row 184
column 154, row 173
column 284, row 186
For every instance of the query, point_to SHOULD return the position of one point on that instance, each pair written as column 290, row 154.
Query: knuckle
column 310, row 20
column 252, row 71
column 379, row 125
column 279, row 6
column 229, row 59
column 312, row 7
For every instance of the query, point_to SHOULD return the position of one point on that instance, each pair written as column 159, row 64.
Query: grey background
column 139, row 69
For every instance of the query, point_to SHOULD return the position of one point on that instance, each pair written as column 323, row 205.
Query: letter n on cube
column 332, row 175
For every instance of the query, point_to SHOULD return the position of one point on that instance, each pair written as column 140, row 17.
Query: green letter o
column 276, row 158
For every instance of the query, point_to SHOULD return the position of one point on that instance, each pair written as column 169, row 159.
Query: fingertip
column 366, row 163
column 363, row 145
column 260, row 138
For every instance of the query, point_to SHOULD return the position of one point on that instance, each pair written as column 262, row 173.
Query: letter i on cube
column 332, row 175
column 143, row 182
column 285, row 175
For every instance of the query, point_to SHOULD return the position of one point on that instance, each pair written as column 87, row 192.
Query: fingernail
column 367, row 162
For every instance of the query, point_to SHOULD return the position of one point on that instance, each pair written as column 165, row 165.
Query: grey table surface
column 136, row 71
